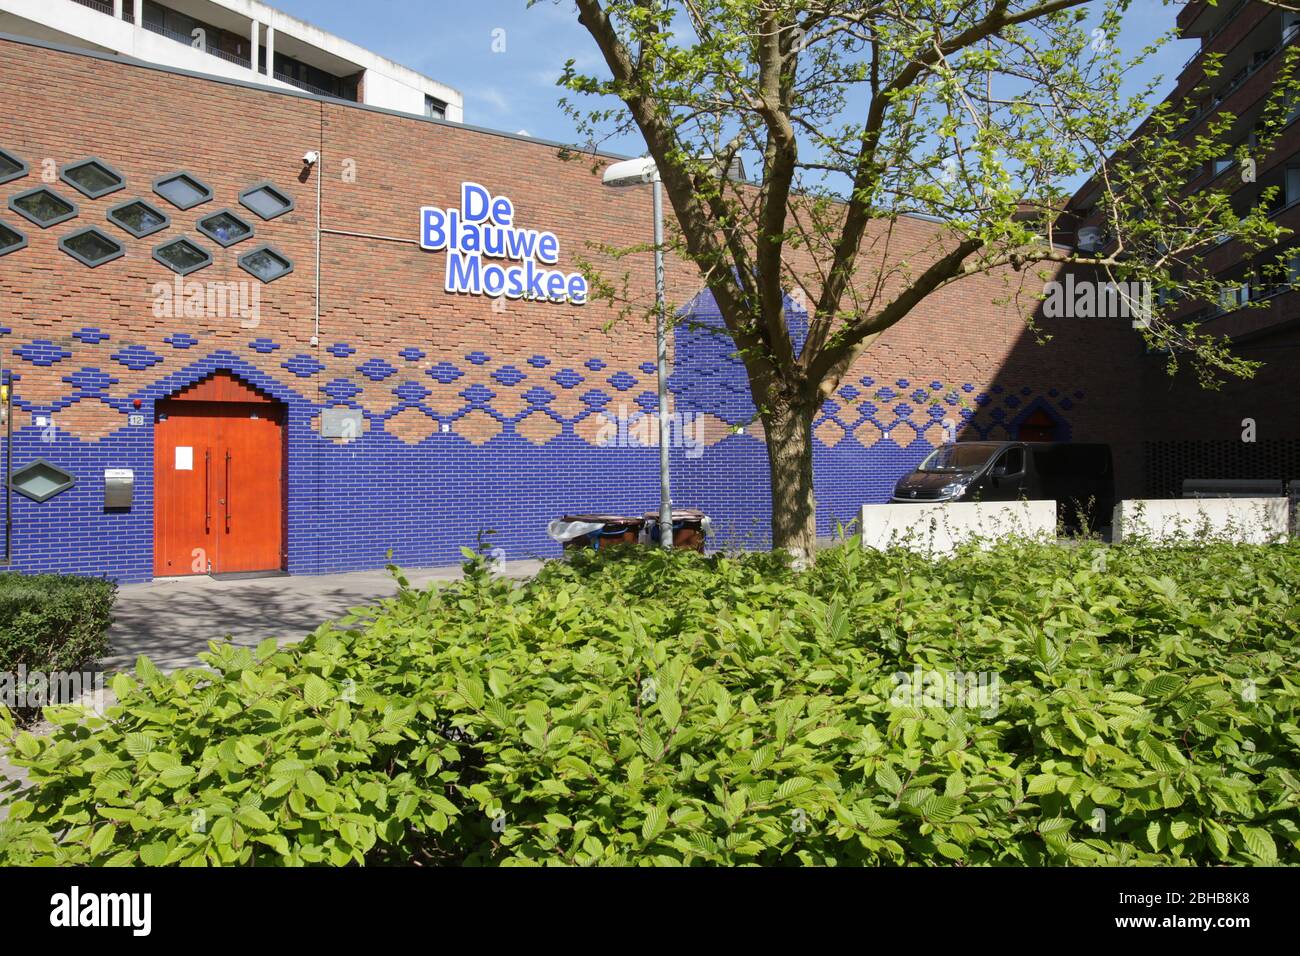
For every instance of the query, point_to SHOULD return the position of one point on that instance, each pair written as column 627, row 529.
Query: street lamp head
column 631, row 172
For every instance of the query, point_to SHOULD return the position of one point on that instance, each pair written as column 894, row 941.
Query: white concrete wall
column 1245, row 520
column 938, row 528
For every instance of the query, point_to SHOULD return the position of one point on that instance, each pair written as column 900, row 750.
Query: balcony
column 162, row 31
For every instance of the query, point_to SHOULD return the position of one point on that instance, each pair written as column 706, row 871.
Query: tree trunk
column 790, row 465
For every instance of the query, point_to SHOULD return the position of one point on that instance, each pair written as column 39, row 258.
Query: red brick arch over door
column 219, row 479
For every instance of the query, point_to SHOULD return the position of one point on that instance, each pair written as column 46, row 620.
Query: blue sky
column 451, row 41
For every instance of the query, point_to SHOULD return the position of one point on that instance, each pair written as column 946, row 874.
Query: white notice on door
column 184, row 458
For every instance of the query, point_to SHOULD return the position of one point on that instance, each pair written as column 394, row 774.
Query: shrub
column 53, row 622
column 677, row 709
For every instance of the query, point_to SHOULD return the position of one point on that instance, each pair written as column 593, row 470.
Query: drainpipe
column 320, row 175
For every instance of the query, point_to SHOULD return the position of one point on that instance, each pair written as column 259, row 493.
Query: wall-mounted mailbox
column 119, row 486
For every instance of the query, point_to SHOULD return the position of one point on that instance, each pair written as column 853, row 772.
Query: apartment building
column 234, row 39
column 1248, row 429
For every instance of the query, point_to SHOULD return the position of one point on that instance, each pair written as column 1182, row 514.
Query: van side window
column 1012, row 462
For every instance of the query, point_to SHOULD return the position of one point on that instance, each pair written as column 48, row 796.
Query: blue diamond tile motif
column 478, row 358
column 983, row 398
column 997, row 390
column 1053, row 392
column 375, row 369
column 181, row 340
column 830, row 407
column 539, row 361
column 886, row 394
column 42, row 352
column 919, row 396
column 867, row 380
column 936, row 385
column 848, row 393
column 340, row 350
column 649, row 401
column 411, row 353
column 341, row 390
column 304, row 366
column 478, row 394
column 137, row 358
column 90, row 380
column 264, row 346
column 621, row 381
column 411, row 392
column 647, row 367
column 90, row 336
column 538, row 396
column 595, row 398
column 902, row 383
column 1026, row 391
column 566, row 378
column 903, row 411
column 509, row 376
column 968, row 388
column 936, row 412
column 5, row 330
column 868, row 409
column 998, row 414
column 951, row 398
column 594, row 364
column 444, row 372
column 1012, row 401
column 1066, row 404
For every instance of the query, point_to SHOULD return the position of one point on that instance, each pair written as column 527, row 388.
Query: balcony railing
column 303, row 85
column 106, row 6
column 161, row 30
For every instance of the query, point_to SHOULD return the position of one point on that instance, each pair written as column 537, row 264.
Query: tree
column 859, row 112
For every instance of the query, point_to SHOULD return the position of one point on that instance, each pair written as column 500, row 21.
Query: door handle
column 207, row 491
column 227, row 498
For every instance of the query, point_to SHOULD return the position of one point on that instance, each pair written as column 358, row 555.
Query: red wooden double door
column 219, row 486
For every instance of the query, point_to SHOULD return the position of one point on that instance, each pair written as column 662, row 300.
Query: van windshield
column 968, row 456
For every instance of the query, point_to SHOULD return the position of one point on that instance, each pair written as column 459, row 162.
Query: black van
column 1080, row 478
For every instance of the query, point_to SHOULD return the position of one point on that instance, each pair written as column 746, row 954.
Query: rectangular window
column 434, row 108
column 1292, row 190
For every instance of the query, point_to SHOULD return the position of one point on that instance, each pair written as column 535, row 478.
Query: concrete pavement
column 171, row 620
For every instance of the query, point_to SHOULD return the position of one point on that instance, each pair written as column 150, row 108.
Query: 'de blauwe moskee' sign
column 483, row 229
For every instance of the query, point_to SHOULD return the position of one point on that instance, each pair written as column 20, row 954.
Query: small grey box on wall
column 340, row 423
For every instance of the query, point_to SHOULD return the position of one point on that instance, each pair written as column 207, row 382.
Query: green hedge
column 53, row 622
column 676, row 709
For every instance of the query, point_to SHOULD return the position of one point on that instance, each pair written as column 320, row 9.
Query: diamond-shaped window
column 182, row 256
column 11, row 167
column 266, row 263
column 138, row 217
column 91, row 247
column 182, row 190
column 41, row 481
column 43, row 206
column 11, row 240
column 225, row 228
column 92, row 177
column 266, row 200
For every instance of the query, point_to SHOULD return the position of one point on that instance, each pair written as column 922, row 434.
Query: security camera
column 310, row 158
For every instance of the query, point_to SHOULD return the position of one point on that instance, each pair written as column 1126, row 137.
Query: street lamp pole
column 634, row 172
column 661, row 343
